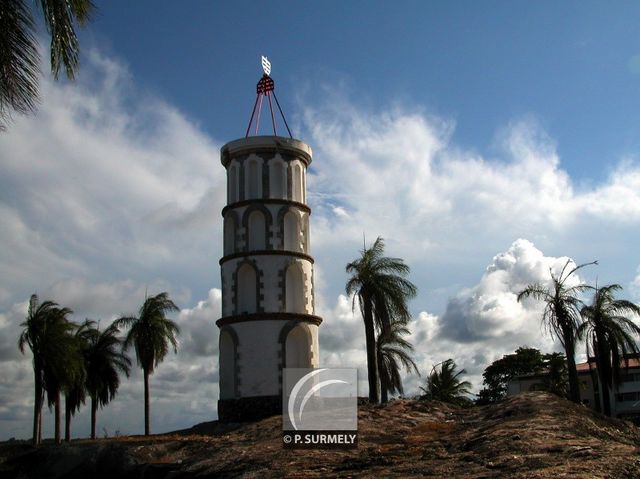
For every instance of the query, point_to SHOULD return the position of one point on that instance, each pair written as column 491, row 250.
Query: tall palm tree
column 47, row 333
column 62, row 365
column 104, row 361
column 392, row 352
column 445, row 385
column 561, row 315
column 19, row 57
column 382, row 291
column 151, row 333
column 76, row 391
column 610, row 336
column 35, row 336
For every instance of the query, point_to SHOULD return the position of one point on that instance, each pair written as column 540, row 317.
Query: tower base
column 249, row 408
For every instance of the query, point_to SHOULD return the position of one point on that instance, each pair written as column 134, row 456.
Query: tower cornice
column 266, row 201
column 242, row 318
column 266, row 252
column 268, row 144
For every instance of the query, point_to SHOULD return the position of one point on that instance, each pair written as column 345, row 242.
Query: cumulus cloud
column 98, row 182
column 490, row 309
column 108, row 194
column 479, row 325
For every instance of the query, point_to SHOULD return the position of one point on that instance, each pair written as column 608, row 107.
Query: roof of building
column 632, row 363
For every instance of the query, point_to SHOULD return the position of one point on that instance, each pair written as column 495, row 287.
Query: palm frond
column 19, row 60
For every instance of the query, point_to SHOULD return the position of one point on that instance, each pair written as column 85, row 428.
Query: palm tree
column 76, row 391
column 561, row 315
column 34, row 336
column 150, row 333
column 445, row 385
column 378, row 283
column 46, row 332
column 391, row 353
column 62, row 365
column 104, row 361
column 19, row 57
column 610, row 336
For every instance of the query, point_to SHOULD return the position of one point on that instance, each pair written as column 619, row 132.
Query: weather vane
column 266, row 65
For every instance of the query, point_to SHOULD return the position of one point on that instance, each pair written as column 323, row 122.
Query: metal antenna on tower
column 266, row 88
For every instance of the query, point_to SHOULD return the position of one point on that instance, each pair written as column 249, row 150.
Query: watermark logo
column 320, row 408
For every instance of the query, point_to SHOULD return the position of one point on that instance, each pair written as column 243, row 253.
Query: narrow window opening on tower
column 294, row 289
column 229, row 235
column 277, row 179
column 232, row 184
column 254, row 185
column 257, row 231
column 298, row 348
column 291, row 232
column 246, row 290
column 296, row 183
column 227, row 365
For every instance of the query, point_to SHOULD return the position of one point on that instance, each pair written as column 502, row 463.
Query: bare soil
column 534, row 435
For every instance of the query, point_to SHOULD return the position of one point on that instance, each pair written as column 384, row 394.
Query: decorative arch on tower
column 295, row 289
column 253, row 177
column 297, row 181
column 290, row 225
column 257, row 222
column 228, row 343
column 230, row 232
column 291, row 231
column 246, row 288
column 296, row 345
column 277, row 178
column 233, row 182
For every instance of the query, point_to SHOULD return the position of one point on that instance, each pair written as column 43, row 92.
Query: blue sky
column 481, row 63
column 487, row 142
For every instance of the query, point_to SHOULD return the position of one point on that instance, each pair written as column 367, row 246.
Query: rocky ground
column 535, row 435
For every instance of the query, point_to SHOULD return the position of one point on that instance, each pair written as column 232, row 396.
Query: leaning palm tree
column 19, row 57
column 382, row 291
column 104, row 361
column 445, row 385
column 392, row 352
column 150, row 333
column 561, row 315
column 610, row 336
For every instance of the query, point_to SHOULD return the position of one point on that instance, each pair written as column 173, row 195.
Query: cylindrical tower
column 268, row 321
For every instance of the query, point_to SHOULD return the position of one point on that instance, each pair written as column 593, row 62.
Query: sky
column 487, row 143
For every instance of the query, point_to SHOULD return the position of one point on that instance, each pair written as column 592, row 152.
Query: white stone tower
column 268, row 319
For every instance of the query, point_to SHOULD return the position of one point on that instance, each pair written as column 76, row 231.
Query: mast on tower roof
column 266, row 88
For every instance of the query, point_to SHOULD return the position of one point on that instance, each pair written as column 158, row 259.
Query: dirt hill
column 534, row 435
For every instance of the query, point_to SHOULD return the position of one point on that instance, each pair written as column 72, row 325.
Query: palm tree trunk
column 606, row 399
column 67, row 418
column 94, row 409
column 37, row 408
column 146, row 403
column 574, row 384
column 604, row 371
column 384, row 397
column 371, row 352
column 58, row 413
